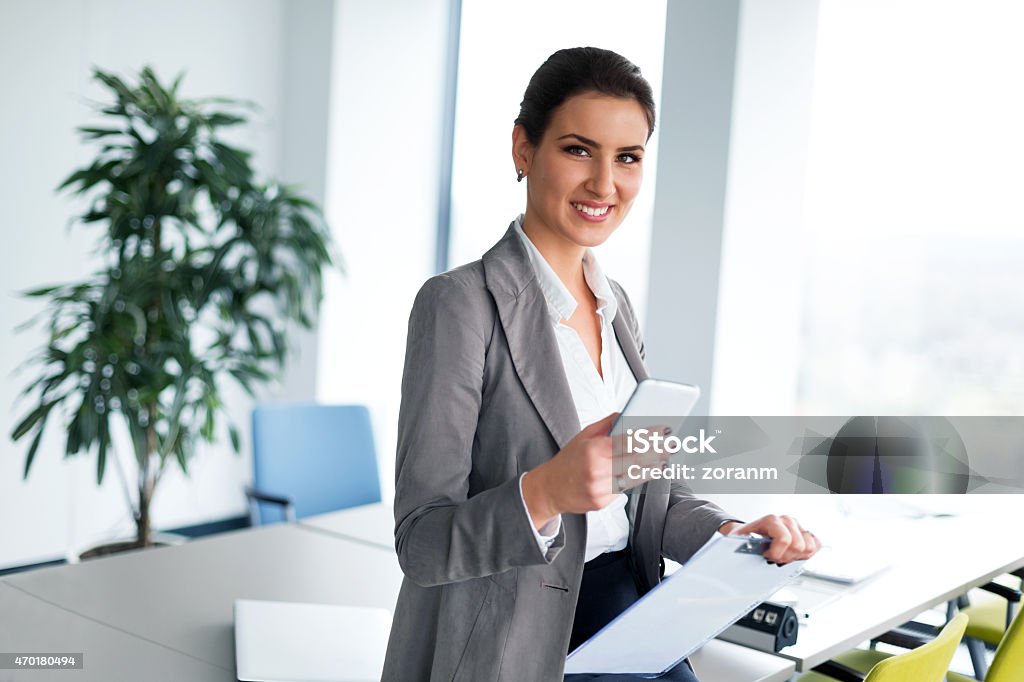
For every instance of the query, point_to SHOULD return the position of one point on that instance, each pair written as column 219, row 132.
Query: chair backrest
column 1008, row 665
column 321, row 456
column 927, row 663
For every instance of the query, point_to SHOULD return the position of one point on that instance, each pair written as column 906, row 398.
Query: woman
column 514, row 546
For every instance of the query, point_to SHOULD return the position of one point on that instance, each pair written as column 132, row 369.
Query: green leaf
column 101, row 454
column 209, row 426
column 32, row 453
column 96, row 133
column 236, row 441
column 181, row 455
column 235, row 162
column 34, row 417
column 124, row 93
column 45, row 291
column 176, row 83
column 220, row 118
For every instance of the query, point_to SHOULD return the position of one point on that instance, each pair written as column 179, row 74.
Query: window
column 872, row 262
column 914, row 288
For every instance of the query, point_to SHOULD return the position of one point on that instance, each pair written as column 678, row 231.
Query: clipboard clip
column 754, row 544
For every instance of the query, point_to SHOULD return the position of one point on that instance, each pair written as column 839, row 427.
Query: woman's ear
column 522, row 150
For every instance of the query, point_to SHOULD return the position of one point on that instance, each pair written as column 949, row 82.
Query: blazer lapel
column 622, row 324
column 531, row 341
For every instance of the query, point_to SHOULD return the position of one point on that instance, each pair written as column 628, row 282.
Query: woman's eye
column 576, row 150
column 630, row 158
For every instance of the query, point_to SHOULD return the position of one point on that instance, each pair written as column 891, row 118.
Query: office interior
column 830, row 223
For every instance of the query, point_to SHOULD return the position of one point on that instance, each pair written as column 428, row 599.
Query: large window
column 887, row 275
column 914, row 290
column 502, row 44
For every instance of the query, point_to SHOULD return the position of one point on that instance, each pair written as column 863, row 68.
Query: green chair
column 986, row 621
column 927, row 663
column 1008, row 665
column 990, row 618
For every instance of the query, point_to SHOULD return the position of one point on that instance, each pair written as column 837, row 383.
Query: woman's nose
column 601, row 182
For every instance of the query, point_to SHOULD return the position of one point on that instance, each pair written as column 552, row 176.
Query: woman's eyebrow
column 596, row 145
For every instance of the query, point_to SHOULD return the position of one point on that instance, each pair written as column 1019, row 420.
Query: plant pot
column 108, row 548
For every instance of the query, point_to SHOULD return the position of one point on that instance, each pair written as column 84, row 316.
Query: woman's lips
column 592, row 214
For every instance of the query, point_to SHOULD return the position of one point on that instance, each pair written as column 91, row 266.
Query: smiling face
column 585, row 172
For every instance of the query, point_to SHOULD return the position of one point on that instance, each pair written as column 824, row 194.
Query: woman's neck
column 564, row 257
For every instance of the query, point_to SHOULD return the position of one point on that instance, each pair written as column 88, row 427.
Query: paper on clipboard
column 726, row 578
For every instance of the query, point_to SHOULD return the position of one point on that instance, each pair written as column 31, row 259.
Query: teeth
column 596, row 212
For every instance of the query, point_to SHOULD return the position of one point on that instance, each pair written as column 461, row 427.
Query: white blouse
column 594, row 397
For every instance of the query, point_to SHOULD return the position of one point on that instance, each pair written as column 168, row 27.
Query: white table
column 30, row 625
column 934, row 560
column 182, row 597
column 171, row 607
column 166, row 613
column 372, row 524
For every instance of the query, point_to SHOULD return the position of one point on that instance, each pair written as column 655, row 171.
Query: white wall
column 229, row 48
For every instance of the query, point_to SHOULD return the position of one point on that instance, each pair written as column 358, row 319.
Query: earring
column 520, row 175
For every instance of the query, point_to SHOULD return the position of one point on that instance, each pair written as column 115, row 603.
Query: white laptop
column 290, row 642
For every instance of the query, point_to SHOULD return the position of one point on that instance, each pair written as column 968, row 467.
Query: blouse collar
column 561, row 304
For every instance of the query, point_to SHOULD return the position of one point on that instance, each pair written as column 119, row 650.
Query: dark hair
column 577, row 70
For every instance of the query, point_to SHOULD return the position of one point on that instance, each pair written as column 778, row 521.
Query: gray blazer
column 485, row 398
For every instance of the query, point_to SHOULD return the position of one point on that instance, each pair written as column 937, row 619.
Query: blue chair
column 309, row 459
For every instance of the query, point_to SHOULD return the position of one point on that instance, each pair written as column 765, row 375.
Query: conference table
column 167, row 613
column 935, row 552
column 30, row 624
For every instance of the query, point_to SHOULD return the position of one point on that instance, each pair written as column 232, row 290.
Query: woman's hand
column 583, row 476
column 790, row 542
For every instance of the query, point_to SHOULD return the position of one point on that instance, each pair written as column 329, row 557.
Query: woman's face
column 586, row 171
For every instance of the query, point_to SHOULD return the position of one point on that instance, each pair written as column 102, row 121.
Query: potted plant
column 204, row 269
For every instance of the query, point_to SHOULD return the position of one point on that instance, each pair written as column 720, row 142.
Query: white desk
column 31, row 625
column 371, row 523
column 934, row 560
column 167, row 613
column 182, row 597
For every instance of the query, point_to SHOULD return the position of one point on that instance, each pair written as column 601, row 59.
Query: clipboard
column 721, row 583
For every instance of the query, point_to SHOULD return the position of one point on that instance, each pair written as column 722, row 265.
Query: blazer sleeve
column 442, row 534
column 690, row 521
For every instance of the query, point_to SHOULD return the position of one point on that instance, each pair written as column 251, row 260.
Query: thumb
column 601, row 427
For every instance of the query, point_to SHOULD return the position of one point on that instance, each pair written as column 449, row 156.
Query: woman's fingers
column 773, row 527
column 798, row 544
column 813, row 544
column 789, row 540
column 600, row 428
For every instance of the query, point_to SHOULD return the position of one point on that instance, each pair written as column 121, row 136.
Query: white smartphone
column 669, row 400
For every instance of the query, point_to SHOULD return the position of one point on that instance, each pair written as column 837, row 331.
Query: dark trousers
column 607, row 589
